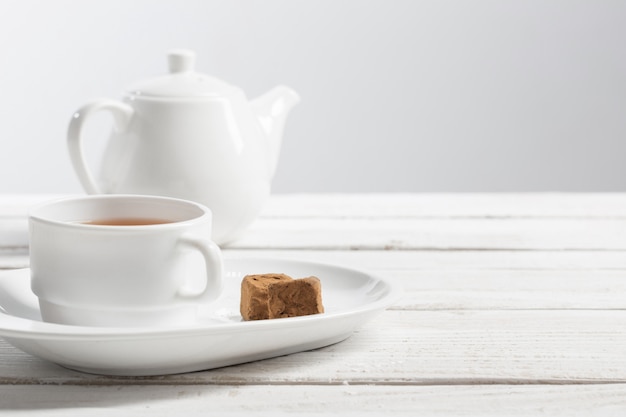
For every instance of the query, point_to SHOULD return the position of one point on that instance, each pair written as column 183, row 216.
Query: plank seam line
column 159, row 381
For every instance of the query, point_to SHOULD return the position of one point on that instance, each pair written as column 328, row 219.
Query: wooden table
column 514, row 304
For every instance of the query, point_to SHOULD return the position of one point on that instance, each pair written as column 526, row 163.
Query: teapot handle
column 122, row 114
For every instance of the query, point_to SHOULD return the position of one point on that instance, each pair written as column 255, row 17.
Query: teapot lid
column 182, row 81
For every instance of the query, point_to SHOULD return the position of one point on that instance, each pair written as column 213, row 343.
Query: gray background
column 396, row 95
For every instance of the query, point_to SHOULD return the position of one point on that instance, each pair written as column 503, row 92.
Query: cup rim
column 35, row 214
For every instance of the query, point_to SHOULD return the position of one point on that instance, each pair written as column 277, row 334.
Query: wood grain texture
column 513, row 304
column 550, row 221
column 447, row 205
column 315, row 400
column 471, row 280
column 408, row 234
column 390, row 260
column 437, row 234
column 415, row 348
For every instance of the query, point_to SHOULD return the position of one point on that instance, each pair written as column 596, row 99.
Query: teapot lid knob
column 181, row 60
column 182, row 81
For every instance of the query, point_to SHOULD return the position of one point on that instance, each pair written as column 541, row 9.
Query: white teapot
column 190, row 136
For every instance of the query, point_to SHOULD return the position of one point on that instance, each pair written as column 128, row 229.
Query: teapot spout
column 272, row 109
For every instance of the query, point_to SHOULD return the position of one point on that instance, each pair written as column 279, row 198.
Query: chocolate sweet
column 272, row 296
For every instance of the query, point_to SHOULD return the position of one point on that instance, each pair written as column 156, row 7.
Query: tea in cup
column 123, row 260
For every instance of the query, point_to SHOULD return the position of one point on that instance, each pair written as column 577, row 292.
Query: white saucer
column 219, row 339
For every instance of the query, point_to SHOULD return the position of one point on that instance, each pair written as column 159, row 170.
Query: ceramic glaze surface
column 190, row 136
column 218, row 338
column 85, row 273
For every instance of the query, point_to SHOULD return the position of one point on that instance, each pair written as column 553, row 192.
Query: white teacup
column 123, row 260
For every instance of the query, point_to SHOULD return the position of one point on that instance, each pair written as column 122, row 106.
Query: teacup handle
column 214, row 269
column 122, row 114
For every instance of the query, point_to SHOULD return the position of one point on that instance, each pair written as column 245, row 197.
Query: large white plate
column 219, row 338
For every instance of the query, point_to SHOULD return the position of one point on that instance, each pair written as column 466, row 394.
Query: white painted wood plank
column 415, row 348
column 453, row 285
column 14, row 219
column 413, row 351
column 307, row 400
column 388, row 260
column 472, row 347
column 416, row 205
column 583, row 224
column 10, row 259
column 442, row 234
column 13, row 234
column 17, row 205
column 384, row 260
column 510, row 290
column 408, row 234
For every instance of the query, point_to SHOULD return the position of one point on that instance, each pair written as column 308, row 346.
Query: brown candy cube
column 272, row 296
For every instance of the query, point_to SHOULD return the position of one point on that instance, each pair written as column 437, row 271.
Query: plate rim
column 20, row 328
